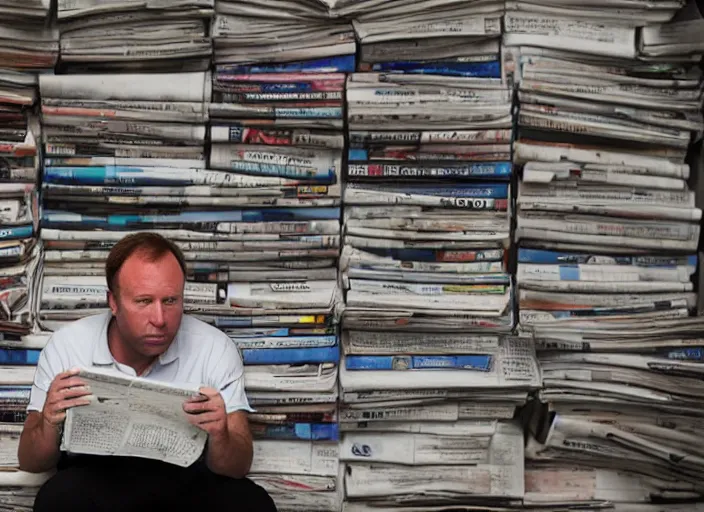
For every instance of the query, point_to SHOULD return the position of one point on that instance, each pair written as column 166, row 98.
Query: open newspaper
column 133, row 416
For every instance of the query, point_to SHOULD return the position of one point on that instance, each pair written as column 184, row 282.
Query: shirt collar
column 102, row 354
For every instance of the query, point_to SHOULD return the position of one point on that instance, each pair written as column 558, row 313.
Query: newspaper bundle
column 430, row 385
column 28, row 46
column 27, row 12
column 427, row 217
column 18, row 489
column 619, row 416
column 451, row 37
column 431, row 428
column 122, row 153
column 680, row 37
column 135, row 35
column 607, row 230
column 296, row 34
column 277, row 127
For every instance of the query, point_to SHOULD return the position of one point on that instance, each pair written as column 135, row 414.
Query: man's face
column 148, row 304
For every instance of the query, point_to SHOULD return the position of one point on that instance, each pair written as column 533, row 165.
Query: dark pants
column 126, row 484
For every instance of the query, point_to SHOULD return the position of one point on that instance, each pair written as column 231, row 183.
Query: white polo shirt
column 200, row 354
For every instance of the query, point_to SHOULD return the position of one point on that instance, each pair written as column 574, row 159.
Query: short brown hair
column 152, row 244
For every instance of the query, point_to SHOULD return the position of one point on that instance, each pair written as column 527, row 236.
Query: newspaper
column 681, row 35
column 18, row 489
column 9, row 444
column 500, row 475
column 134, row 35
column 133, row 417
column 514, row 367
column 153, row 87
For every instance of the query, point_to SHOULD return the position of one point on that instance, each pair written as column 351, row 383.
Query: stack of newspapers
column 277, row 130
column 125, row 153
column 135, row 35
column 433, row 429
column 452, row 37
column 607, row 232
column 681, row 37
column 427, row 218
column 18, row 489
column 430, row 381
column 28, row 46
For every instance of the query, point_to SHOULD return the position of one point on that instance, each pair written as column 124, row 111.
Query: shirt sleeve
column 227, row 375
column 48, row 367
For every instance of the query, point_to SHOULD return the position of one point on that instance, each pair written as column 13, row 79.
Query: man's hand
column 66, row 391
column 208, row 412
column 229, row 438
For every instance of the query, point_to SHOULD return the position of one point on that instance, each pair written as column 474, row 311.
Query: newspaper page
column 133, row 416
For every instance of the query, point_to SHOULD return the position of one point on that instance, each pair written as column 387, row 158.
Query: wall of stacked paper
column 277, row 128
column 124, row 151
column 607, row 232
column 229, row 126
column 128, row 152
column 28, row 47
column 431, row 379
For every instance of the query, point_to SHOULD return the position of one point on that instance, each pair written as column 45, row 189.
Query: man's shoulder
column 87, row 325
column 79, row 335
column 202, row 335
column 210, row 355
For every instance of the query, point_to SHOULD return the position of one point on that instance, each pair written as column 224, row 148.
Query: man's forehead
column 140, row 259
column 140, row 271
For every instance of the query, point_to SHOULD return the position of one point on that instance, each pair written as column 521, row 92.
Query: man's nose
column 157, row 314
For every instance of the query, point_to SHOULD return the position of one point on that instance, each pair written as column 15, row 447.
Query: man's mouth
column 155, row 340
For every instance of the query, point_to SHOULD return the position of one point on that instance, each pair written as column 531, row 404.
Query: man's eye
column 143, row 301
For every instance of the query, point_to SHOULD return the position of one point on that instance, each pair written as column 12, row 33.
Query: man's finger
column 74, row 392
column 67, row 373
column 62, row 394
column 64, row 405
column 203, row 419
column 69, row 383
column 200, row 407
column 200, row 397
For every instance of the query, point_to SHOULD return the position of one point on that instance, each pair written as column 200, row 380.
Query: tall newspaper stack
column 100, row 36
column 28, row 46
column 277, row 128
column 430, row 380
column 607, row 233
column 123, row 153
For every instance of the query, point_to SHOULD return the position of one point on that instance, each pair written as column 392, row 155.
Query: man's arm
column 39, row 442
column 229, row 438
column 39, row 445
column 231, row 454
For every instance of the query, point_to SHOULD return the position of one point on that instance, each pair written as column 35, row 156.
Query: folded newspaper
column 133, row 417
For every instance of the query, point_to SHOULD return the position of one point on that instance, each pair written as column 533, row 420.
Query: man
column 145, row 334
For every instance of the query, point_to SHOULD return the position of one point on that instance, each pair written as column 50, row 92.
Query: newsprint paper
column 132, row 416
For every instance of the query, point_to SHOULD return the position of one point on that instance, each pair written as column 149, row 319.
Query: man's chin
column 156, row 345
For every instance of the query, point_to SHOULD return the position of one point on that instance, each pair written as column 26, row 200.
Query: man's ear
column 112, row 302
